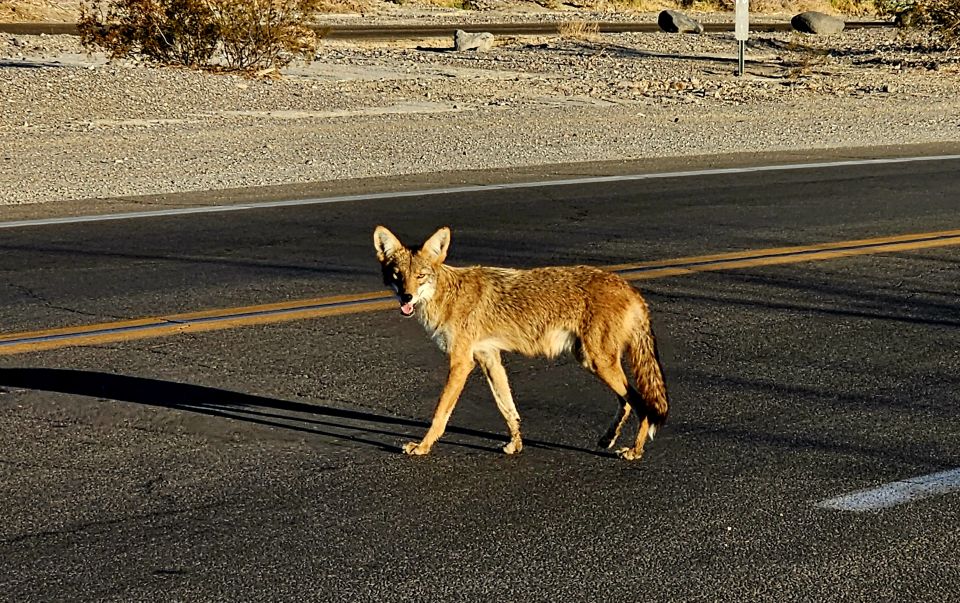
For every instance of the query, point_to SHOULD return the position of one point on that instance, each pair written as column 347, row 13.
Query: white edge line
column 896, row 493
column 465, row 189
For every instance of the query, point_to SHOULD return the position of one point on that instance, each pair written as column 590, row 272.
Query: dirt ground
column 78, row 126
column 38, row 10
column 421, row 10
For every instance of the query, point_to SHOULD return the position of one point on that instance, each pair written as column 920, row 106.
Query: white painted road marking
column 896, row 493
column 469, row 189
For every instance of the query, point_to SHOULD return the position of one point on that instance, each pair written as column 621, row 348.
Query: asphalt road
column 262, row 463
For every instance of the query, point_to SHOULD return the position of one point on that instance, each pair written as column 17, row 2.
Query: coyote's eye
column 421, row 276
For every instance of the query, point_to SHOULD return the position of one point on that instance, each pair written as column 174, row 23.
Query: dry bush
column 247, row 35
column 944, row 16
column 255, row 34
column 579, row 30
column 941, row 18
column 175, row 32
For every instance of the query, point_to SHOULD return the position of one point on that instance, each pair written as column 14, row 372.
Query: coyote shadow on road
column 354, row 425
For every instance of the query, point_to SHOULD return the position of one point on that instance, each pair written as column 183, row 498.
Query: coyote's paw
column 513, row 447
column 629, row 454
column 607, row 441
column 415, row 449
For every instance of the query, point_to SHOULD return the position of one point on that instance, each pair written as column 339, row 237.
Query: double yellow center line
column 210, row 320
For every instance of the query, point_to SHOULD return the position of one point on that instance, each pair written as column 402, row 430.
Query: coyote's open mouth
column 407, row 309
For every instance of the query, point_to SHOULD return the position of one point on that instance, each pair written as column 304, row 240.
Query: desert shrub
column 261, row 33
column 233, row 35
column 940, row 17
column 179, row 32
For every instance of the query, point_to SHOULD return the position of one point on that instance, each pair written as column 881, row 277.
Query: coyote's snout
column 475, row 313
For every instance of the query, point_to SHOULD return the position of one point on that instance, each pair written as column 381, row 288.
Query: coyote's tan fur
column 475, row 313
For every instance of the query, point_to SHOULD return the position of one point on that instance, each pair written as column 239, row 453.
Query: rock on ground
column 814, row 22
column 482, row 41
column 672, row 21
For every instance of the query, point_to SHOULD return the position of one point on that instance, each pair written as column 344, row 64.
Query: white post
column 741, row 29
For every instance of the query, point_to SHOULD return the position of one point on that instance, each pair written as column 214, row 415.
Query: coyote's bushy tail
column 648, row 373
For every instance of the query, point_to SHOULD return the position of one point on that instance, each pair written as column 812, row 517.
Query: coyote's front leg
column 460, row 367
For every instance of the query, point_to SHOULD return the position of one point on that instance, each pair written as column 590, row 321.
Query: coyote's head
column 411, row 271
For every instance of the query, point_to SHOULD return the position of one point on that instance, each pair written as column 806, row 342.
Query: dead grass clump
column 229, row 35
column 454, row 4
column 581, row 31
column 857, row 8
column 640, row 6
column 810, row 59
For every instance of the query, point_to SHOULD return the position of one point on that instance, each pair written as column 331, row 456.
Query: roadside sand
column 74, row 126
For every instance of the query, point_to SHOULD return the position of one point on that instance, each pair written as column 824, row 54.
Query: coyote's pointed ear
column 385, row 243
column 436, row 246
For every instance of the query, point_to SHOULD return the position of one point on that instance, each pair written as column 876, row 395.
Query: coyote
column 475, row 313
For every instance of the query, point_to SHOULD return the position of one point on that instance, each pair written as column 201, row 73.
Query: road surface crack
column 102, row 526
column 53, row 306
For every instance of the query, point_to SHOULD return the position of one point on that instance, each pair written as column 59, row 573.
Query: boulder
column 472, row 41
column 813, row 22
column 672, row 21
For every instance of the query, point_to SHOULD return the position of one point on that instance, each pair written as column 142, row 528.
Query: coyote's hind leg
column 493, row 370
column 609, row 439
column 608, row 368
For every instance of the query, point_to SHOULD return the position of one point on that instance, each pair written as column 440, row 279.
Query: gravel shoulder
column 75, row 126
